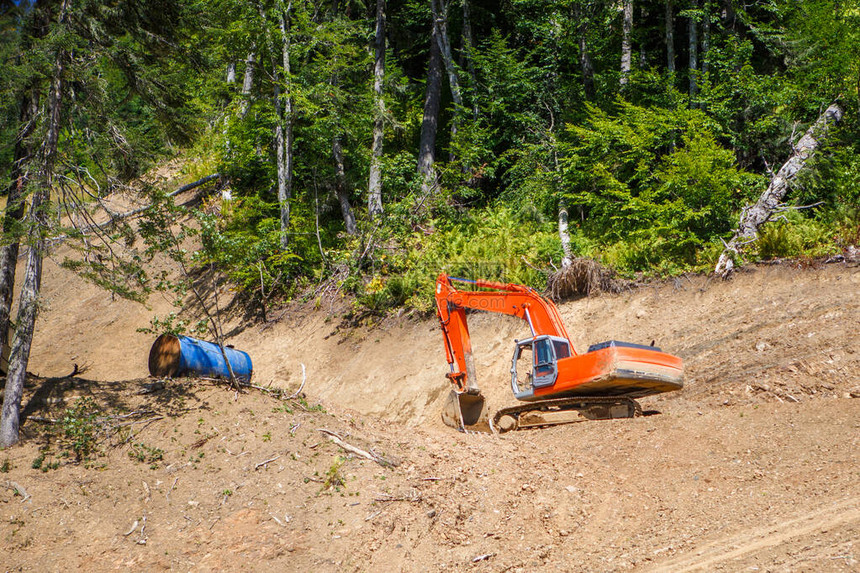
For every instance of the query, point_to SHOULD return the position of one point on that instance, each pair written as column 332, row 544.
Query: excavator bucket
column 466, row 412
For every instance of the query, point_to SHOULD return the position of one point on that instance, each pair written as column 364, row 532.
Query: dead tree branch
column 18, row 489
column 770, row 201
column 358, row 451
column 266, row 462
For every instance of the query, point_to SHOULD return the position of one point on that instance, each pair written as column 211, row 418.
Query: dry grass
column 584, row 277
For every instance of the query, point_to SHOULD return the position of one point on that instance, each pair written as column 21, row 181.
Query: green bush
column 79, row 428
column 654, row 185
column 495, row 243
column 796, row 236
column 146, row 454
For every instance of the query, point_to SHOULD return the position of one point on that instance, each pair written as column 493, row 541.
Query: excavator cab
column 535, row 364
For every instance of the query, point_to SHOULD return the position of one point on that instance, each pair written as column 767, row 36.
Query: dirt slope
column 753, row 466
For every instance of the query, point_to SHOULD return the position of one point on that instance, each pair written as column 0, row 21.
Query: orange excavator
column 557, row 384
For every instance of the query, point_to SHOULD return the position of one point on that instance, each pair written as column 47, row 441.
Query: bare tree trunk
column 694, row 49
column 440, row 21
column 706, row 36
column 247, row 84
column 284, row 115
column 585, row 64
column 280, row 153
column 37, row 217
column 430, row 122
column 469, row 47
column 374, row 184
column 729, row 15
column 564, row 234
column 226, row 194
column 770, row 202
column 626, row 45
column 670, row 38
column 19, row 177
column 20, row 354
column 15, row 206
column 285, row 141
column 341, row 186
column 643, row 17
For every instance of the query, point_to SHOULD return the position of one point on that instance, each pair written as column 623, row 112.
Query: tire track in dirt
column 740, row 544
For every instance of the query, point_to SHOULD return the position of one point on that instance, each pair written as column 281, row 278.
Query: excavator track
column 564, row 411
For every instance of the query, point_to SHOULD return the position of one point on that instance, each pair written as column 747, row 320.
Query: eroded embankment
column 773, row 334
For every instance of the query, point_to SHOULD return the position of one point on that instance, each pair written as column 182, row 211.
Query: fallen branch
column 248, row 385
column 155, row 419
column 120, row 216
column 150, row 388
column 131, row 529
column 299, row 391
column 413, row 497
column 374, row 514
column 278, row 392
column 261, row 464
column 358, row 451
column 202, row 441
column 19, row 489
column 197, row 183
column 131, row 414
column 116, row 217
column 142, row 540
column 42, row 419
column 167, row 496
column 770, row 202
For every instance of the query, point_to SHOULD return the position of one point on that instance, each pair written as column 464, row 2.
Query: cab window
column 543, row 352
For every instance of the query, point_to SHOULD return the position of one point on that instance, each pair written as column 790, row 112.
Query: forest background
column 378, row 143
column 368, row 146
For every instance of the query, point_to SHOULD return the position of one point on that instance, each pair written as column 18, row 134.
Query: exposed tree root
column 584, row 277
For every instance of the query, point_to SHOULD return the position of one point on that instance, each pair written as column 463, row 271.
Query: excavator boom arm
column 511, row 299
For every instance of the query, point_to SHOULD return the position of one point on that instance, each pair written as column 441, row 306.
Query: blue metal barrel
column 185, row 356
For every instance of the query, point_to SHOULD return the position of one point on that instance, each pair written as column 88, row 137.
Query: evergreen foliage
column 653, row 174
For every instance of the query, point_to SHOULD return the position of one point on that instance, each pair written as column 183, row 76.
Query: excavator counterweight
column 556, row 384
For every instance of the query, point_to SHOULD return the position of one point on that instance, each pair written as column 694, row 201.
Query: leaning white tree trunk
column 754, row 216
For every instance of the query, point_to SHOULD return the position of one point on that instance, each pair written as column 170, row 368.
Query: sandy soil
column 753, row 466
